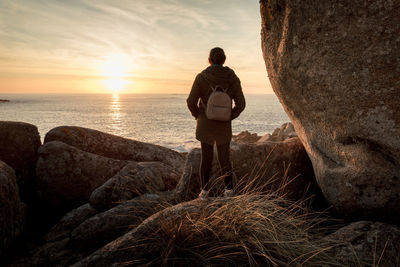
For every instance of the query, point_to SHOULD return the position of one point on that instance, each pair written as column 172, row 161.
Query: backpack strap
column 213, row 89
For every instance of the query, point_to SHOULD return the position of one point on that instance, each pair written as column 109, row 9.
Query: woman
column 208, row 131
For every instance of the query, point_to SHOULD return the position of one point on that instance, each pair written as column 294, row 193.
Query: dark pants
column 207, row 153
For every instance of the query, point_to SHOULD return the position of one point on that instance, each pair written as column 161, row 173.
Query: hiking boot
column 203, row 194
column 229, row 193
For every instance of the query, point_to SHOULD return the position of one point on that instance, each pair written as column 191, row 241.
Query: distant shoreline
column 4, row 100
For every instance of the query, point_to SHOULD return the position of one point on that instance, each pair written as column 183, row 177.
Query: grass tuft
column 250, row 230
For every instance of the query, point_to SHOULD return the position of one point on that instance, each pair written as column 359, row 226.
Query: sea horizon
column 161, row 119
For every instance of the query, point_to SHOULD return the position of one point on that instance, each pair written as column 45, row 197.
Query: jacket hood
column 219, row 75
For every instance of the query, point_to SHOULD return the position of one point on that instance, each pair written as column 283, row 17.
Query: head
column 217, row 56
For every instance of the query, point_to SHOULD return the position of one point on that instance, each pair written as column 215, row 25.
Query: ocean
column 161, row 119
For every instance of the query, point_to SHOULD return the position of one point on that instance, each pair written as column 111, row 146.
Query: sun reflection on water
column 116, row 114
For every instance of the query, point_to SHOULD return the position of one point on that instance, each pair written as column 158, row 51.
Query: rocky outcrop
column 85, row 230
column 245, row 137
column 286, row 131
column 133, row 180
column 67, row 176
column 280, row 134
column 19, row 143
column 335, row 66
column 115, row 147
column 366, row 243
column 12, row 210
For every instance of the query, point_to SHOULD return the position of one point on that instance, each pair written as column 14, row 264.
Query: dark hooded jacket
column 209, row 131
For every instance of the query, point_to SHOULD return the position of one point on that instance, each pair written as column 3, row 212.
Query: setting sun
column 116, row 68
column 115, row 85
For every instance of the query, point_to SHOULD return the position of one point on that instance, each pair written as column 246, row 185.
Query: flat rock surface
column 115, row 147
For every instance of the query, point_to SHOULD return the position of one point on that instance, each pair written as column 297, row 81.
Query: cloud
column 164, row 38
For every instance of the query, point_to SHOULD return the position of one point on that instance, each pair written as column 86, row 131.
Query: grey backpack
column 219, row 104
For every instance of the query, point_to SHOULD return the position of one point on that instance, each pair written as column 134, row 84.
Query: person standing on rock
column 209, row 131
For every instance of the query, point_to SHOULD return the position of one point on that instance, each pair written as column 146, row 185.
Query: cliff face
column 335, row 66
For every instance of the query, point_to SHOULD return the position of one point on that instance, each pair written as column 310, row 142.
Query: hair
column 217, row 56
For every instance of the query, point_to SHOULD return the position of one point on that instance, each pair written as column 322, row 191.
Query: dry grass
column 259, row 227
column 247, row 230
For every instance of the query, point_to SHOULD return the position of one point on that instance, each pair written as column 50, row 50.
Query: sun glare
column 116, row 68
column 115, row 85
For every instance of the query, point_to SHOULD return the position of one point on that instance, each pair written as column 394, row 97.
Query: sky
column 125, row 46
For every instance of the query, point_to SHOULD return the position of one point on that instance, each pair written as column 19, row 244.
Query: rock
column 280, row 167
column 106, row 226
column 265, row 138
column 245, row 137
column 83, row 230
column 69, row 222
column 188, row 186
column 12, row 210
column 137, row 240
column 280, row 134
column 334, row 66
column 97, row 230
column 19, row 143
column 4, row 100
column 366, row 243
column 109, row 225
column 116, row 221
column 67, row 176
column 115, row 147
column 133, row 180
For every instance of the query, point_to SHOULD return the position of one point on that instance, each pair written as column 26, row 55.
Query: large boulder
column 115, row 147
column 12, row 210
column 19, row 143
column 133, row 180
column 283, row 168
column 365, row 243
column 335, row 67
column 67, row 176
